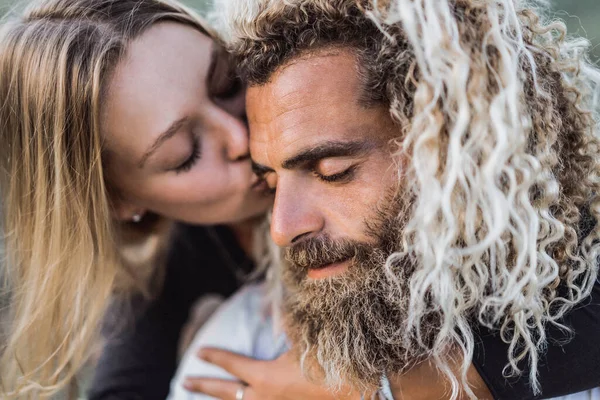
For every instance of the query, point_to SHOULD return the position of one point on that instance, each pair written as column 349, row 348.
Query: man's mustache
column 317, row 252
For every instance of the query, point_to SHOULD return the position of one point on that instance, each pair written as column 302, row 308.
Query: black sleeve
column 565, row 368
column 140, row 360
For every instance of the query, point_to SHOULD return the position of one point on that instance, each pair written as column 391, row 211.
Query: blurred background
column 582, row 17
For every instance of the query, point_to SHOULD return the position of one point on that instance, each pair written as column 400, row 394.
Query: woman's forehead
column 161, row 79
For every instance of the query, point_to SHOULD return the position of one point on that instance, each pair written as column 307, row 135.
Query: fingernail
column 187, row 383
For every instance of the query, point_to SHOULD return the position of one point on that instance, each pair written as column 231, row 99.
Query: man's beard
column 351, row 328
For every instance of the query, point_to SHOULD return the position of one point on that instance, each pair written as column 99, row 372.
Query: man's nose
column 294, row 217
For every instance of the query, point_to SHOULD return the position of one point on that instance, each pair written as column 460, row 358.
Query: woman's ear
column 126, row 211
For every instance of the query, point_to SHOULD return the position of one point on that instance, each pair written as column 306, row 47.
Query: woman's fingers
column 246, row 369
column 219, row 388
column 277, row 379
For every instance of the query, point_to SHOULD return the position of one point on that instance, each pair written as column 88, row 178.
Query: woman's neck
column 244, row 233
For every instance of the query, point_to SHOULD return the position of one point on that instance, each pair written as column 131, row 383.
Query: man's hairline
column 327, row 50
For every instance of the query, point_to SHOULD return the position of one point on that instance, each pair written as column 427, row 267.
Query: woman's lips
column 328, row 270
column 259, row 186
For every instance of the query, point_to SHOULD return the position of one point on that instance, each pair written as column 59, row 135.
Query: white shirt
column 243, row 325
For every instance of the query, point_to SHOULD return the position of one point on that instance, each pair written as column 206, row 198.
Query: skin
column 281, row 379
column 309, row 104
column 302, row 109
column 171, row 73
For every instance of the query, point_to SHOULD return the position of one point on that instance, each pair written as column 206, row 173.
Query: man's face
column 339, row 214
column 325, row 153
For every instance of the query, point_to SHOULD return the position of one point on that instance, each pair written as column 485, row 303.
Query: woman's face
column 176, row 137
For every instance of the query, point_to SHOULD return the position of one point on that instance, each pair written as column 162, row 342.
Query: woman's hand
column 280, row 379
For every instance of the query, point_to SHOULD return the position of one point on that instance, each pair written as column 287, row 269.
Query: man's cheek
column 346, row 215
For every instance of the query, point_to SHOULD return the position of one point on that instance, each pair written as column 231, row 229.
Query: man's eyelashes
column 339, row 177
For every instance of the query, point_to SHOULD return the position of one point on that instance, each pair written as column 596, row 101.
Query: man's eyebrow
column 317, row 153
column 171, row 130
column 260, row 170
column 328, row 150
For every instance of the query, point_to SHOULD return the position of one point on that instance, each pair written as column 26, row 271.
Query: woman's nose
column 234, row 134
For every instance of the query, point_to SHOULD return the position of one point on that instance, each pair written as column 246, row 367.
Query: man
column 434, row 166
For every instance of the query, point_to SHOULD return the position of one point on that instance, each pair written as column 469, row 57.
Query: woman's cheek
column 209, row 187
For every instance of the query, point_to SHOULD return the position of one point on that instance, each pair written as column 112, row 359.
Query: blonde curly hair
column 497, row 112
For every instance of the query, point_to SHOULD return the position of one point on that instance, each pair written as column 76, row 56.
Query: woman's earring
column 136, row 218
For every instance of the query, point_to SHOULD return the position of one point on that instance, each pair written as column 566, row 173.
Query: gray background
column 582, row 18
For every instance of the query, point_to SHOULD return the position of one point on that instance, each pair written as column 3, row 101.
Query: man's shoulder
column 243, row 324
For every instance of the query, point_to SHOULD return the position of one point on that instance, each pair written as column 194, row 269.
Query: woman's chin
column 251, row 205
column 255, row 207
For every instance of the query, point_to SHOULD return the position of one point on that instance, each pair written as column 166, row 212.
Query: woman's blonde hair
column 63, row 246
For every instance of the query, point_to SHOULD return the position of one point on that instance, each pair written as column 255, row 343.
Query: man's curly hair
column 497, row 113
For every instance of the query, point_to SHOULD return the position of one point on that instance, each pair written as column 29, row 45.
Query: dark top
column 568, row 366
column 140, row 362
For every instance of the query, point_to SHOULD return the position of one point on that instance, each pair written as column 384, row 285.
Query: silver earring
column 136, row 218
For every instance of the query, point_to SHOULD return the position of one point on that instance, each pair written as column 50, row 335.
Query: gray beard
column 351, row 329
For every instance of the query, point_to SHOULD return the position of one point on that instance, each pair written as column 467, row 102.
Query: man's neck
column 426, row 382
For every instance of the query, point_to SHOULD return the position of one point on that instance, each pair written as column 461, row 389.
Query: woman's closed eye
column 190, row 161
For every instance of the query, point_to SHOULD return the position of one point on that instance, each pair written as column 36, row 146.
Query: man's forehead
column 321, row 77
column 311, row 97
column 273, row 151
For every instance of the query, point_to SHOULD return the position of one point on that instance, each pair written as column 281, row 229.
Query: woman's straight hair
column 62, row 242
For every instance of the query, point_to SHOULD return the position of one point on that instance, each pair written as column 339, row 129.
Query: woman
column 117, row 117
